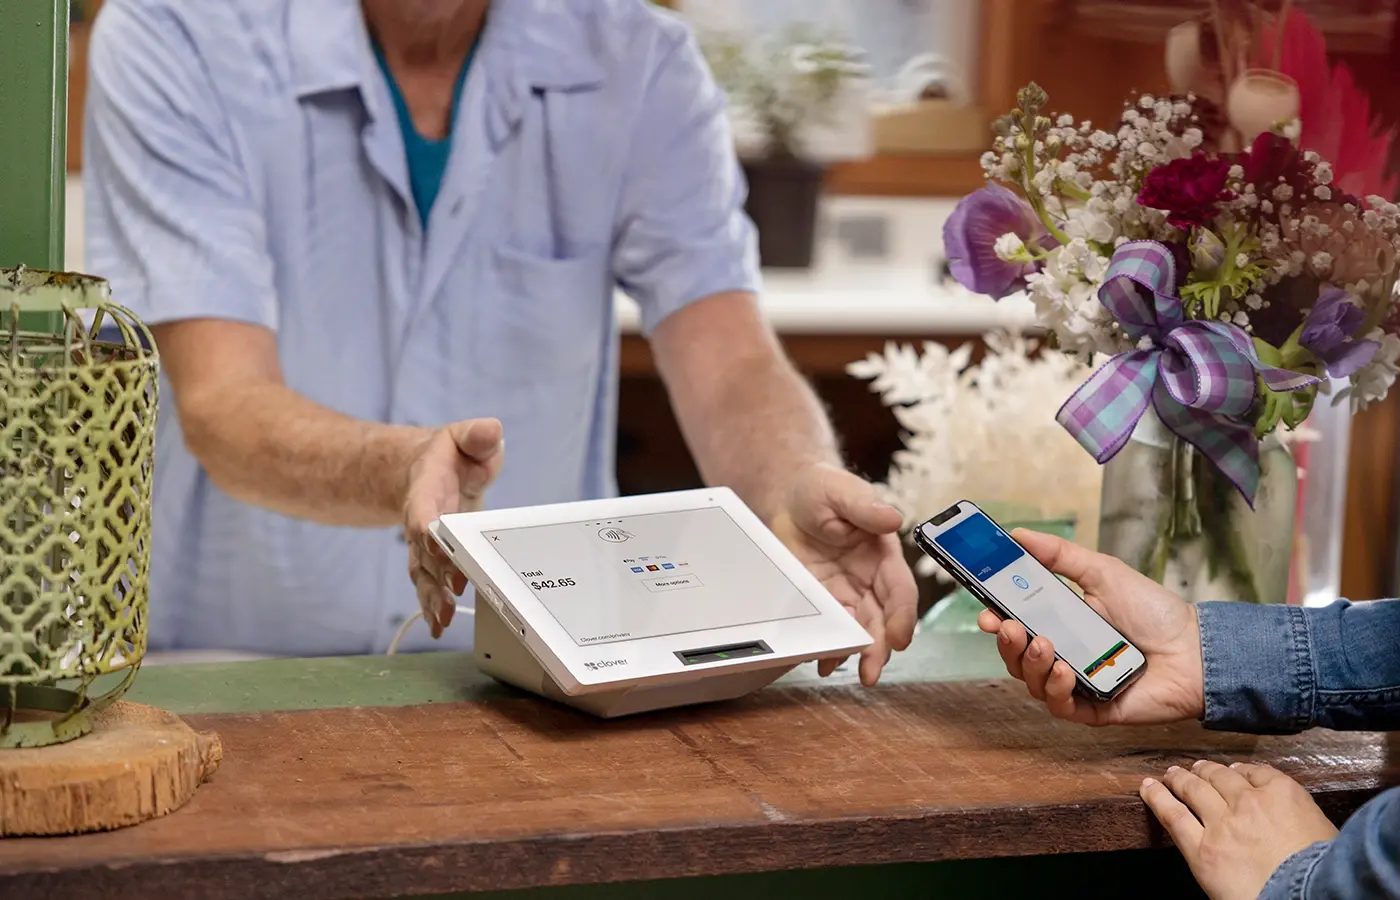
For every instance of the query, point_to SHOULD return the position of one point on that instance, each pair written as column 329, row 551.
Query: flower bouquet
column 1219, row 271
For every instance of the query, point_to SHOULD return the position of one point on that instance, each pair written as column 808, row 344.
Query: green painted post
column 33, row 138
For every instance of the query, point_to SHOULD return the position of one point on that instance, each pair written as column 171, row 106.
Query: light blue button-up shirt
column 243, row 161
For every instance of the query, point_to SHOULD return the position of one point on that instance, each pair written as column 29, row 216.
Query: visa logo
column 637, row 569
column 668, row 565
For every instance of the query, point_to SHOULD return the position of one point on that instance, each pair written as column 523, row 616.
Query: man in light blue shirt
column 372, row 237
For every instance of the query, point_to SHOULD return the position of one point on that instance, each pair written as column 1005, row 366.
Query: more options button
column 673, row 583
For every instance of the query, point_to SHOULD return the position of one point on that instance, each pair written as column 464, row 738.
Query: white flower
column 1372, row 383
column 1010, row 248
column 1237, row 172
column 1292, row 129
column 1176, row 148
column 1065, row 295
column 1322, row 192
column 1103, row 140
column 1092, row 222
column 1322, row 172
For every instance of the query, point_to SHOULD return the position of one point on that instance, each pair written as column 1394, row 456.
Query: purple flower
column 970, row 236
column 1328, row 331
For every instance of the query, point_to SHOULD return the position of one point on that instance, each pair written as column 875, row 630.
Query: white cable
column 408, row 623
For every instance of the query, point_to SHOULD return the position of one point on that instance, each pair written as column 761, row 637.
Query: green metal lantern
column 77, row 441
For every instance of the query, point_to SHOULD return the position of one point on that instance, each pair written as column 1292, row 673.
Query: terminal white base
column 501, row 654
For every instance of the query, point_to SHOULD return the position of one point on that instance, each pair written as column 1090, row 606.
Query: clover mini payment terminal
column 627, row 605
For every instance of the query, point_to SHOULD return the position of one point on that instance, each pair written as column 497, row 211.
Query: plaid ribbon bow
column 1198, row 375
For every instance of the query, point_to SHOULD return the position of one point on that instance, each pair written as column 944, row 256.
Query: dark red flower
column 1188, row 190
column 1273, row 160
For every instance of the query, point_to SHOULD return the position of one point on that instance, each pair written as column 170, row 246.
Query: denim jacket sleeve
column 1285, row 669
column 1360, row 863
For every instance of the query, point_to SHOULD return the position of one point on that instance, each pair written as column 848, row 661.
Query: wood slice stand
column 137, row 763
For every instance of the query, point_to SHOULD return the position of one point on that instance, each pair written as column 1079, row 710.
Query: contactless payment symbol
column 614, row 535
column 1020, row 582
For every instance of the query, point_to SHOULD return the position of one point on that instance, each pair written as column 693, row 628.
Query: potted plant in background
column 779, row 89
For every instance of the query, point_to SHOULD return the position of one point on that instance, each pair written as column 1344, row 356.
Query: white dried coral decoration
column 985, row 432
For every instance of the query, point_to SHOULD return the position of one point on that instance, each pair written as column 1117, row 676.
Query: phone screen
column 1032, row 594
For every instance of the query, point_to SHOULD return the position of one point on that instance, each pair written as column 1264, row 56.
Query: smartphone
column 1010, row 582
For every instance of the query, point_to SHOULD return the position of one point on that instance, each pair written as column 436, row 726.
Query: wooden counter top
column 495, row 790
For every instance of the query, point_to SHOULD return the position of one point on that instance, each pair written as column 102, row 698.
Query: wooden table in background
column 379, row 777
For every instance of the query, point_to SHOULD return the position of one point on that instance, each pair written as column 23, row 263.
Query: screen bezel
column 831, row 631
column 925, row 537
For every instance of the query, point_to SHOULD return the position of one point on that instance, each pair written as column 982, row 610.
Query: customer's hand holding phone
column 1159, row 622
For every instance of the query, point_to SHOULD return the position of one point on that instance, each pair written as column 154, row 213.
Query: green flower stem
column 1037, row 204
column 1028, row 118
column 1230, row 280
column 1185, row 519
column 1226, row 553
column 1376, row 313
column 1070, row 189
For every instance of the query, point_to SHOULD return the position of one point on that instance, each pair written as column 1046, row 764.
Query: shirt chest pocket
column 543, row 318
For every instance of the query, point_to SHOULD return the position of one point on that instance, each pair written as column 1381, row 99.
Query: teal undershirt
column 427, row 160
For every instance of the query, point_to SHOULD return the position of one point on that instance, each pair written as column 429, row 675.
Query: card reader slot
column 726, row 652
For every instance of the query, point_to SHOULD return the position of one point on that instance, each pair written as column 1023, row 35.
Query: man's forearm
column 759, row 426
column 272, row 447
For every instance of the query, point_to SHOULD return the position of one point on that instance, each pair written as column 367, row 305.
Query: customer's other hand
column 1161, row 624
column 836, row 524
column 1235, row 825
column 450, row 474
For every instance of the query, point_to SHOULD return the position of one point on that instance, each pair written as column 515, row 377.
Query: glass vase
column 957, row 613
column 1168, row 512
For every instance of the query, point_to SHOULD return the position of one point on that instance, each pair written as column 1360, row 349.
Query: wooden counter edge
column 612, row 857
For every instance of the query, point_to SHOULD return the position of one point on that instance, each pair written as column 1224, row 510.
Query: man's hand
column 449, row 475
column 1161, row 624
column 1235, row 825
column 835, row 523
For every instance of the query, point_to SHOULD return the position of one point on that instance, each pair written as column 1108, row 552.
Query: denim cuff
column 1290, row 880
column 1258, row 668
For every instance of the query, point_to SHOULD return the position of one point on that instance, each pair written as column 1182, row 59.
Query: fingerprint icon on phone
column 614, row 535
column 1020, row 582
